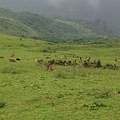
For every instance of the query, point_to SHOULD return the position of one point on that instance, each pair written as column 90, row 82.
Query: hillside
column 29, row 91
column 105, row 10
column 48, row 28
column 12, row 27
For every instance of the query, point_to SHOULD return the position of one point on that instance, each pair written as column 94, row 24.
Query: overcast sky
column 86, row 9
column 93, row 3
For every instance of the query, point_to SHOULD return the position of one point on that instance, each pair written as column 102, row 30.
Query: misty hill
column 12, row 27
column 105, row 10
column 44, row 27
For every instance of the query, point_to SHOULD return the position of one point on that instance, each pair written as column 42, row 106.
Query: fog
column 107, row 11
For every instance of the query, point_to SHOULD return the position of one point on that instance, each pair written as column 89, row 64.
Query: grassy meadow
column 30, row 92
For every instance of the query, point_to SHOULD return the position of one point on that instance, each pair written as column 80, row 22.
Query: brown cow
column 12, row 60
column 12, row 55
column 49, row 66
column 47, row 57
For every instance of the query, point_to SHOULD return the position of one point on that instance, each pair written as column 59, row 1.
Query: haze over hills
column 50, row 28
column 105, row 10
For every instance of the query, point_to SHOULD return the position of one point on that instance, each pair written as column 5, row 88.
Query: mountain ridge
column 26, row 24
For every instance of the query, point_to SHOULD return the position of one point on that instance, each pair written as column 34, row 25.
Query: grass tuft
column 2, row 104
column 11, row 70
column 94, row 105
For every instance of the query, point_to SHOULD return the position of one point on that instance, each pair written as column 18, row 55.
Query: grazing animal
column 2, row 57
column 12, row 55
column 93, row 59
column 47, row 57
column 12, row 60
column 49, row 66
column 81, row 59
column 117, row 60
column 39, row 61
column 63, row 57
column 17, row 58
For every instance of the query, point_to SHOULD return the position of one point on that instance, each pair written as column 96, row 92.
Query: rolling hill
column 56, row 29
column 12, row 27
column 29, row 91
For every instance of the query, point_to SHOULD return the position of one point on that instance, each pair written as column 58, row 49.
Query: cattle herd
column 88, row 62
column 11, row 59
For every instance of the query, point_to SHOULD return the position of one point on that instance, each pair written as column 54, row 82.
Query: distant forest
column 107, row 11
column 50, row 28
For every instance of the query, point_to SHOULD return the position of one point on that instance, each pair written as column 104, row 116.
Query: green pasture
column 30, row 92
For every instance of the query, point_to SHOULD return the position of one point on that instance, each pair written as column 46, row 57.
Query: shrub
column 2, row 104
column 94, row 105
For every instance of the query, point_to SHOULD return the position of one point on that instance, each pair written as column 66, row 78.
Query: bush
column 2, row 104
column 93, row 105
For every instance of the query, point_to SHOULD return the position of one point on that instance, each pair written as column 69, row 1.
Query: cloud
column 94, row 3
column 56, row 2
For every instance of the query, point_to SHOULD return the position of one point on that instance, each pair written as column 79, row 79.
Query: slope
column 30, row 92
column 12, row 27
column 47, row 28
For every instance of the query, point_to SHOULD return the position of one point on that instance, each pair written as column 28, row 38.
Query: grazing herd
column 11, row 59
column 63, row 61
column 87, row 63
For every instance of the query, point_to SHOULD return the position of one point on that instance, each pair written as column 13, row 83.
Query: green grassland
column 30, row 92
